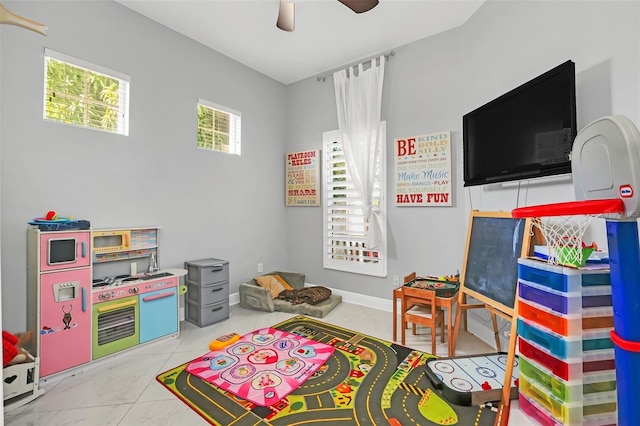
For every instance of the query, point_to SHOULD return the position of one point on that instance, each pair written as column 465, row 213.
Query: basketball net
column 563, row 226
column 564, row 237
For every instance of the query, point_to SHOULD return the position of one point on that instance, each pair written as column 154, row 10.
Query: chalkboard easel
column 495, row 242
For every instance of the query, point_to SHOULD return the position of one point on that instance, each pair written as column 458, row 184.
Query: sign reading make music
column 423, row 170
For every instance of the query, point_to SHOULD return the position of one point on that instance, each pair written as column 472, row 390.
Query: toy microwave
column 108, row 241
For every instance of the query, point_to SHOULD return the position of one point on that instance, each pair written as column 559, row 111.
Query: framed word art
column 303, row 178
column 423, row 170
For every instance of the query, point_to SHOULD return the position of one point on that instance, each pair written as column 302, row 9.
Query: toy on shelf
column 222, row 341
column 52, row 222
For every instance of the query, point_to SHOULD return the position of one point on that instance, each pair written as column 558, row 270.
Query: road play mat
column 263, row 366
column 367, row 381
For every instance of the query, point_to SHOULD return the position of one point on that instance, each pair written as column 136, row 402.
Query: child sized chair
column 419, row 308
column 411, row 301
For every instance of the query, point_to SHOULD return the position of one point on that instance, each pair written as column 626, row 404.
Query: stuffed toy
column 12, row 352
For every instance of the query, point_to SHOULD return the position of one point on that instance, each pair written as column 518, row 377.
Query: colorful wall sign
column 303, row 178
column 423, row 170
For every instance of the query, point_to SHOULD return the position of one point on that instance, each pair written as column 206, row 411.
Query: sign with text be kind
column 423, row 170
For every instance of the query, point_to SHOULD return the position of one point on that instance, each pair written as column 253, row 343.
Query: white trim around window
column 344, row 228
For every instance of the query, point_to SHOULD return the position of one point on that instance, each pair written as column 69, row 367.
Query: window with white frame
column 82, row 94
column 219, row 128
column 345, row 228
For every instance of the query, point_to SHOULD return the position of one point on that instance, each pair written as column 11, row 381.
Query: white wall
column 208, row 204
column 430, row 84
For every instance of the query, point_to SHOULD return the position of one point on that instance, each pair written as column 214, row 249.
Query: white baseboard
column 347, row 296
column 474, row 327
column 234, row 299
column 364, row 300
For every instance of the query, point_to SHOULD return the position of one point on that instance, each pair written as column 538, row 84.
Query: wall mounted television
column 525, row 133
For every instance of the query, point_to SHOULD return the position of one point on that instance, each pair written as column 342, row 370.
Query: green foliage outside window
column 78, row 96
column 213, row 129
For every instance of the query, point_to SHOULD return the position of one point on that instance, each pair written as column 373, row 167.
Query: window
column 218, row 128
column 86, row 95
column 345, row 228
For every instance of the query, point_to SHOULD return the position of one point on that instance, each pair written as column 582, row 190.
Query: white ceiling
column 327, row 34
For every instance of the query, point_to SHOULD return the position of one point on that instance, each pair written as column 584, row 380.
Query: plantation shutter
column 346, row 228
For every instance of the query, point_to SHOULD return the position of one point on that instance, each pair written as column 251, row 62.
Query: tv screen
column 525, row 133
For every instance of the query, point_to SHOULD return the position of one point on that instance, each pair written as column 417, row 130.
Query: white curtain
column 359, row 102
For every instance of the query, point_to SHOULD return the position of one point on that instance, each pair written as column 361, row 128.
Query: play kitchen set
column 78, row 296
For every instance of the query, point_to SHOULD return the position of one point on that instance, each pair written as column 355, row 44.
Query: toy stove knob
column 105, row 296
column 133, row 290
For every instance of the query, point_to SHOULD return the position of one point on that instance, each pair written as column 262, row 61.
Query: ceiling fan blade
column 286, row 16
column 359, row 6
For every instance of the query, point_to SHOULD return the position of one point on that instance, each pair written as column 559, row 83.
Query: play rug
column 366, row 381
column 263, row 366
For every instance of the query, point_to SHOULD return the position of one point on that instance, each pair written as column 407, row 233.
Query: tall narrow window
column 346, row 228
column 219, row 128
column 83, row 94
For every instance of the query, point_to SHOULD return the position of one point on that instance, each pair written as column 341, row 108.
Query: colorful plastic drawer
column 569, row 324
column 562, row 346
column 559, row 277
column 568, row 390
column 592, row 361
column 572, row 413
column 536, row 412
column 565, row 303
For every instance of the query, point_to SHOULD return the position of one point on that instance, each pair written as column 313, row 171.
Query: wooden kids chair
column 419, row 308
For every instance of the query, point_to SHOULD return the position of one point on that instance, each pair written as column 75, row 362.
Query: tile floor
column 122, row 390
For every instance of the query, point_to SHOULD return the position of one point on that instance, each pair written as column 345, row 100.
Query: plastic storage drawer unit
column 561, row 278
column 207, row 300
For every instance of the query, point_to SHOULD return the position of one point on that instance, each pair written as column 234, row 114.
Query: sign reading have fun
column 423, row 170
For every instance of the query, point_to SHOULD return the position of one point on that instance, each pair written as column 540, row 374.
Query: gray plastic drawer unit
column 207, row 291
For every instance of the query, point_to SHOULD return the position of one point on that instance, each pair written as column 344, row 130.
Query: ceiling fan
column 286, row 15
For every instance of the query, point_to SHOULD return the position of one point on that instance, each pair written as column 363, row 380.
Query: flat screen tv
column 525, row 133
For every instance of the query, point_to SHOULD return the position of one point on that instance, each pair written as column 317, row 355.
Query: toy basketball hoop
column 605, row 166
column 605, row 163
column 563, row 226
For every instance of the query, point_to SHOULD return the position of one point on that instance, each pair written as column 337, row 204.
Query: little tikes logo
column 626, row 191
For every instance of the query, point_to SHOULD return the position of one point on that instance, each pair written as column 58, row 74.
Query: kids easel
column 495, row 242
